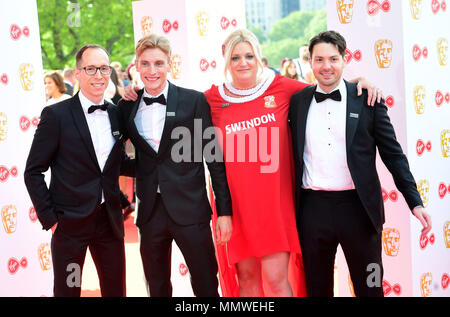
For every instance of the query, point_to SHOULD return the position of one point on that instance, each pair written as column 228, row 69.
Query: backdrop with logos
column 25, row 259
column 402, row 47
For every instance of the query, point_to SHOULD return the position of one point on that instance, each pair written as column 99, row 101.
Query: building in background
column 288, row 6
column 263, row 13
column 312, row 4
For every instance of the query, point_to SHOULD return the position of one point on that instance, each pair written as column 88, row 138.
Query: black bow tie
column 96, row 107
column 160, row 99
column 335, row 95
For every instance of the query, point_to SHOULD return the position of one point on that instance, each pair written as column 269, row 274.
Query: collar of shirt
column 164, row 92
column 86, row 103
column 341, row 87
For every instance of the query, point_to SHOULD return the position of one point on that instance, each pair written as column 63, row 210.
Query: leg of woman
column 249, row 277
column 275, row 274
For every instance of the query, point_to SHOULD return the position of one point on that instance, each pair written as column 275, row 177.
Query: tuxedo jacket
column 63, row 142
column 182, row 184
column 367, row 129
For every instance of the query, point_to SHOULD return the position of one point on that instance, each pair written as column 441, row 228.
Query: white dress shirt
column 150, row 119
column 325, row 155
column 100, row 131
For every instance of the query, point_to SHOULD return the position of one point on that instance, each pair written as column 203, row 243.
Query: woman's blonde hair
column 285, row 71
column 153, row 41
column 237, row 37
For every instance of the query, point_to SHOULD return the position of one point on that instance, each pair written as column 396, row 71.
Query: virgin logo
column 32, row 214
column 420, row 147
column 14, row 264
column 435, row 6
column 445, row 280
column 390, row 101
column 204, row 64
column 439, row 97
column 443, row 190
column 373, row 7
column 393, row 195
column 424, row 240
column 225, row 23
column 357, row 55
column 167, row 26
column 25, row 123
column 5, row 172
column 183, row 269
column 4, row 79
column 417, row 52
column 16, row 32
column 388, row 288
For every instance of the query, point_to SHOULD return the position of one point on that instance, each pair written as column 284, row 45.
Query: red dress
column 257, row 147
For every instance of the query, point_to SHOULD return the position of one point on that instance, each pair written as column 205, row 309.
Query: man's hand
column 373, row 93
column 424, row 218
column 130, row 93
column 224, row 229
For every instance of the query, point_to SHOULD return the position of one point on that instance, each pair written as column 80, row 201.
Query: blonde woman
column 289, row 70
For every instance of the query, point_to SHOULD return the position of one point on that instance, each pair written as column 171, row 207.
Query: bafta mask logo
column 425, row 284
column 383, row 53
column 419, row 99
column 44, row 255
column 146, row 25
column 447, row 234
column 442, row 47
column 9, row 218
column 202, row 23
column 445, row 143
column 175, row 66
column 391, row 241
column 416, row 9
column 424, row 188
column 3, row 126
column 26, row 74
column 345, row 11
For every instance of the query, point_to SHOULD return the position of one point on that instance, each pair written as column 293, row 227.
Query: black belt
column 330, row 194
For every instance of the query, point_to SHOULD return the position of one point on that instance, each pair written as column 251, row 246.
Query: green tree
column 292, row 26
column 65, row 26
column 259, row 33
column 288, row 34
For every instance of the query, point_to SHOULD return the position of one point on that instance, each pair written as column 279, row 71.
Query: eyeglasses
column 92, row 70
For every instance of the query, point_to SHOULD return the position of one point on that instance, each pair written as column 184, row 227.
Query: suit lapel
column 114, row 121
column 83, row 128
column 133, row 131
column 353, row 113
column 302, row 117
column 172, row 102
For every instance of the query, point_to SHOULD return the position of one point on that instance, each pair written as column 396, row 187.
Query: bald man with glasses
column 80, row 141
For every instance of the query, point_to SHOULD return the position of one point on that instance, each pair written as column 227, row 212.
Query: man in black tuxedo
column 79, row 140
column 338, row 193
column 171, row 201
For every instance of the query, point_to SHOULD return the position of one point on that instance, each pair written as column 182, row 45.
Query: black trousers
column 108, row 254
column 196, row 245
column 327, row 219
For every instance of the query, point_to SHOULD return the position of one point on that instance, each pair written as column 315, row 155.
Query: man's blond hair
column 153, row 41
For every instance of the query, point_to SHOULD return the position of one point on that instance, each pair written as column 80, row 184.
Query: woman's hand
column 374, row 94
column 224, row 229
